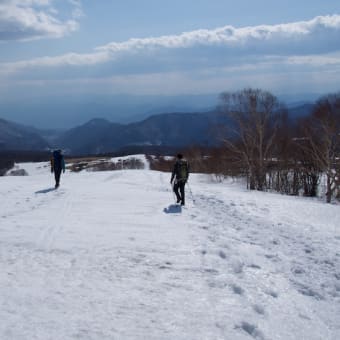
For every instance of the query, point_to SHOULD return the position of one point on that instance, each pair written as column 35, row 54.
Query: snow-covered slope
column 107, row 256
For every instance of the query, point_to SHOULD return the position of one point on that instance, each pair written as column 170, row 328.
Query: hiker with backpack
column 180, row 175
column 57, row 165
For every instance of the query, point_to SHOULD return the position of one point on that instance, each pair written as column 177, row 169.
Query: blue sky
column 155, row 47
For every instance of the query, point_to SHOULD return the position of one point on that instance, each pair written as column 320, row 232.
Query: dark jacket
column 180, row 171
column 57, row 162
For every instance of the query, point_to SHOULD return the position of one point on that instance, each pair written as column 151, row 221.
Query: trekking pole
column 191, row 194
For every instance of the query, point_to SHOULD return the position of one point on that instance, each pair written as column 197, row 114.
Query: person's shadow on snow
column 45, row 191
column 173, row 209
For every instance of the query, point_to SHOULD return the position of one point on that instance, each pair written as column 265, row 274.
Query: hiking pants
column 179, row 191
column 57, row 173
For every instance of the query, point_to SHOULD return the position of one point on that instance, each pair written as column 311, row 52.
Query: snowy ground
column 106, row 256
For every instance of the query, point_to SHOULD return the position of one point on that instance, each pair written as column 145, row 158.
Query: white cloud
column 70, row 59
column 233, row 37
column 320, row 35
column 315, row 60
column 35, row 19
column 266, row 55
column 77, row 11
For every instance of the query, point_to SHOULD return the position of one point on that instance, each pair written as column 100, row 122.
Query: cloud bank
column 264, row 36
column 254, row 55
column 319, row 35
column 24, row 20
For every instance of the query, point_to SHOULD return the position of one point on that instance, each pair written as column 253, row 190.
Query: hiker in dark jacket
column 180, row 174
column 57, row 165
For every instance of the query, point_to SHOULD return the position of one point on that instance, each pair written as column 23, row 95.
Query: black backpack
column 57, row 159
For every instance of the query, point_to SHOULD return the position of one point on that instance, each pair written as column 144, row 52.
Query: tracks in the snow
column 56, row 222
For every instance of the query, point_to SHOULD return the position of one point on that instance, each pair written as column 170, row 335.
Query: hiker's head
column 57, row 153
column 179, row 156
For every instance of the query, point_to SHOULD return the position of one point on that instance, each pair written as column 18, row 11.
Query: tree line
column 272, row 151
column 277, row 153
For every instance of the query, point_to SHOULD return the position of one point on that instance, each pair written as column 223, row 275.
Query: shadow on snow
column 45, row 191
column 173, row 209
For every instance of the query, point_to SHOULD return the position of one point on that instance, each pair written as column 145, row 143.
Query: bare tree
column 255, row 116
column 323, row 135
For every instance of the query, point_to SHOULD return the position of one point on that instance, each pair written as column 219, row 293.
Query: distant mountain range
column 62, row 112
column 172, row 129
column 19, row 137
column 102, row 136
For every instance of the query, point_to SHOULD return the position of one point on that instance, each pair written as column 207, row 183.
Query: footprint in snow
column 273, row 257
column 237, row 289
column 254, row 266
column 167, row 265
column 259, row 309
column 305, row 317
column 329, row 262
column 251, row 329
column 308, row 291
column 272, row 293
column 237, row 267
column 298, row 270
column 164, row 267
column 222, row 254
